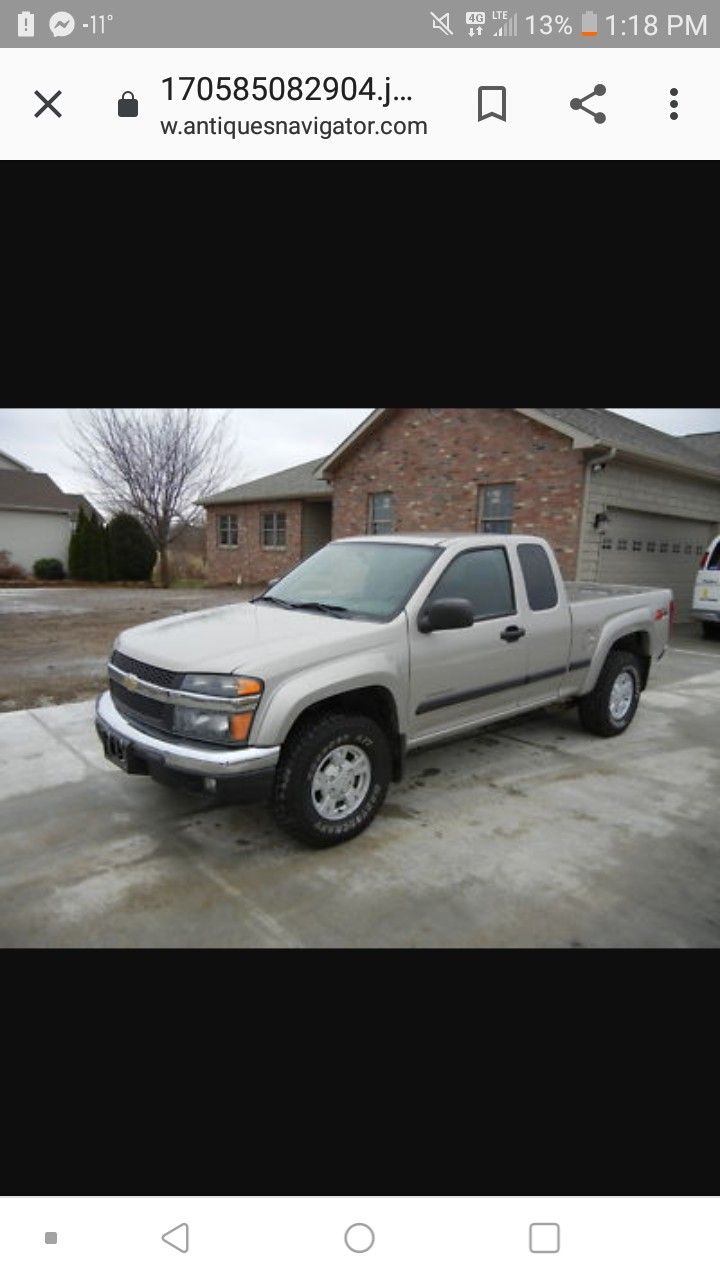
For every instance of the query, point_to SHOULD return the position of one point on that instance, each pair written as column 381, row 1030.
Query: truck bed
column 580, row 592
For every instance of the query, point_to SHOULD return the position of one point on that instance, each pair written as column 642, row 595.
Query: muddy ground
column 55, row 641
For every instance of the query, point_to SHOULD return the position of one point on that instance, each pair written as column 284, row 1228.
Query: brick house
column 259, row 530
column 619, row 501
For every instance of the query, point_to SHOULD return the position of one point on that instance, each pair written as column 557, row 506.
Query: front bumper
column 243, row 766
column 706, row 615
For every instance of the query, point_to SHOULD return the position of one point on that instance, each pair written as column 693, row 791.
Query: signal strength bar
column 508, row 28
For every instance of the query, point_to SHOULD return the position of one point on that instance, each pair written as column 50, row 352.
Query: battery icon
column 26, row 24
column 589, row 24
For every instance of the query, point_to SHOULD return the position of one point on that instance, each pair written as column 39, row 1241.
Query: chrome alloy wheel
column 622, row 695
column 341, row 782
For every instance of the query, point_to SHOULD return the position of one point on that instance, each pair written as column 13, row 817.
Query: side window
column 381, row 513
column 273, row 529
column 495, row 508
column 482, row 577
column 227, row 527
column 539, row 578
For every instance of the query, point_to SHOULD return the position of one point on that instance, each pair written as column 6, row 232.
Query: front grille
column 146, row 710
column 153, row 675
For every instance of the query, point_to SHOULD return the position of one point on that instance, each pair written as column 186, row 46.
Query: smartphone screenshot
column 342, row 81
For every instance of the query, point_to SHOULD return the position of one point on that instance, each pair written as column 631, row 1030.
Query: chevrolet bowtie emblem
column 131, row 682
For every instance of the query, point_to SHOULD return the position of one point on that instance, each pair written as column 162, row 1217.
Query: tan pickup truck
column 313, row 692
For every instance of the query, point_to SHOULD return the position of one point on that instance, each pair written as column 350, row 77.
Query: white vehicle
column 706, row 600
column 314, row 691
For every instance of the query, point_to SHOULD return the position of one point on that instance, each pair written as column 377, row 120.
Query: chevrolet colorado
column 313, row 692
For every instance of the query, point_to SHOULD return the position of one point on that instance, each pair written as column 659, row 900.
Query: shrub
column 88, row 555
column 48, row 569
column 9, row 571
column 130, row 550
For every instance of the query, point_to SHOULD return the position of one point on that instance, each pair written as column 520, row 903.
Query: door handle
column 512, row 633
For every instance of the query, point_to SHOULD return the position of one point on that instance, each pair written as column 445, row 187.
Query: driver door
column 460, row 678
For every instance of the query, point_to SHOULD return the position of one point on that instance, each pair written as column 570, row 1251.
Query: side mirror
column 446, row 615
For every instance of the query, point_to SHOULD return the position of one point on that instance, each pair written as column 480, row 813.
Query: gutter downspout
column 603, row 459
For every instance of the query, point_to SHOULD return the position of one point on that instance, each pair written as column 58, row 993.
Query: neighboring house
column 8, row 463
column 259, row 530
column 190, row 541
column 79, row 500
column 36, row 517
column 618, row 501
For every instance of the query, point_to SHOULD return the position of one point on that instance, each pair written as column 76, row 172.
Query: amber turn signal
column 240, row 726
column 245, row 687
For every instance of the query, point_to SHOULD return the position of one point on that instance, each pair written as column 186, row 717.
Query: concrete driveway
column 530, row 835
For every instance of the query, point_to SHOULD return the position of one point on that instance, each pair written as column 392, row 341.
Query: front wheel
column 611, row 706
column 711, row 630
column 332, row 778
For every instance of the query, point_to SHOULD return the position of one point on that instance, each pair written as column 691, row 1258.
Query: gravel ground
column 55, row 641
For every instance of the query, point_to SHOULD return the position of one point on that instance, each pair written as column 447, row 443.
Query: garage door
column 654, row 551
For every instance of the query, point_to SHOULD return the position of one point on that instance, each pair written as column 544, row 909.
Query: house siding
column 433, row 461
column 250, row 560
column 28, row 536
column 642, row 488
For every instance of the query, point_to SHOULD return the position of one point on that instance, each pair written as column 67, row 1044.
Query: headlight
column 213, row 726
column 214, row 723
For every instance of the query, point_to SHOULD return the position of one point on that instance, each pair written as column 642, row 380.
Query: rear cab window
column 714, row 558
column 537, row 571
column 483, row 577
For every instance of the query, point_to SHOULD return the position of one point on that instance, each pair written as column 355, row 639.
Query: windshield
column 366, row 579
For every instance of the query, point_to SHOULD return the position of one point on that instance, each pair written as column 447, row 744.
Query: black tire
column 594, row 708
column 303, row 755
column 711, row 630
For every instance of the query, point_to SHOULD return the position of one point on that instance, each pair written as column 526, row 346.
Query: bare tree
column 154, row 463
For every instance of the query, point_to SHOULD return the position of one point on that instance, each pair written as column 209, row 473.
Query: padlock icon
column 128, row 104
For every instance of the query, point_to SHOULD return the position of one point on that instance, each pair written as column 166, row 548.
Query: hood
column 250, row 639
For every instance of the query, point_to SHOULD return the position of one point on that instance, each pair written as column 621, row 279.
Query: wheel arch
column 637, row 642
column 375, row 701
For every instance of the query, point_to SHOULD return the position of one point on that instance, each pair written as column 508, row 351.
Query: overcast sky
column 266, row 439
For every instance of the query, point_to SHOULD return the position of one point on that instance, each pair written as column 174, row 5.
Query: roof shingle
column 707, row 443
column 33, row 491
column 294, row 482
column 624, row 433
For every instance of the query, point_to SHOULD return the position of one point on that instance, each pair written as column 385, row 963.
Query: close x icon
column 47, row 102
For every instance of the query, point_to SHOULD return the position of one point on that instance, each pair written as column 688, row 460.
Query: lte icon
column 26, row 24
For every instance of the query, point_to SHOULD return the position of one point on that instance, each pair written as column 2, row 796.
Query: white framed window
column 381, row 513
column 495, row 508
column 273, row 530
column 227, row 531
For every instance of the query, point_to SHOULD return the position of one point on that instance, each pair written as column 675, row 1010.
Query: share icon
column 578, row 104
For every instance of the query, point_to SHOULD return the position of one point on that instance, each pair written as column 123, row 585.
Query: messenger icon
column 491, row 101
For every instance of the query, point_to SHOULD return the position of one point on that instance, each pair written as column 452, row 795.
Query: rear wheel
column 611, row 706
column 332, row 778
column 711, row 630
